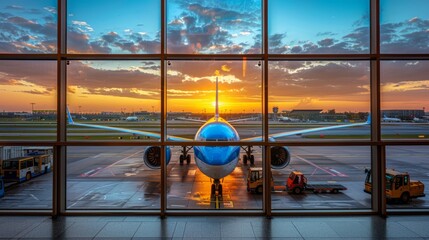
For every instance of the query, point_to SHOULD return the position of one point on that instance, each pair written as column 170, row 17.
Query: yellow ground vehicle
column 399, row 186
column 255, row 180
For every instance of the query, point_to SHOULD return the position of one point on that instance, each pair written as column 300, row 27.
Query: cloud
column 133, row 79
column 319, row 79
column 38, row 92
column 21, row 35
column 28, row 73
column 410, row 36
column 205, row 29
column 110, row 37
column 326, row 42
column 14, row 7
column 405, row 86
column 83, row 26
column 225, row 68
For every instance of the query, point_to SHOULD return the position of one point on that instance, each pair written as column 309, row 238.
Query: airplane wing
column 242, row 119
column 124, row 130
column 190, row 120
column 303, row 131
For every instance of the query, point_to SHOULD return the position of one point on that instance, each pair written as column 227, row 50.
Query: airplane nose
column 217, row 155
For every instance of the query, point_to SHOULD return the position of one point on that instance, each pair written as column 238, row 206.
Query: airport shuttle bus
column 24, row 168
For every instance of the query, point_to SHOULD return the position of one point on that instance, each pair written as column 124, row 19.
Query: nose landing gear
column 216, row 190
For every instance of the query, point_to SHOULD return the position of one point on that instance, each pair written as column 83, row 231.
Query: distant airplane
column 132, row 118
column 216, row 162
column 419, row 120
column 287, row 119
column 389, row 119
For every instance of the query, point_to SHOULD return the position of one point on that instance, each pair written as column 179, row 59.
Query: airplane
column 132, row 118
column 389, row 119
column 287, row 119
column 216, row 162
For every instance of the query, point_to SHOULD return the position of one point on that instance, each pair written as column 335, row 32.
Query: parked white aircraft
column 390, row 119
column 287, row 119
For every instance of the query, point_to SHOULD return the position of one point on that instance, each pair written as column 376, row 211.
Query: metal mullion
column 267, row 149
column 111, row 57
column 403, row 56
column 163, row 205
column 331, row 57
column 59, row 172
column 12, row 56
column 213, row 57
column 378, row 151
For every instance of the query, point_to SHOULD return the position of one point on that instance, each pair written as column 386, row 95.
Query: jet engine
column 280, row 157
column 152, row 157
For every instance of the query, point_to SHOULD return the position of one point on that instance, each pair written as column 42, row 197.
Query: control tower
column 275, row 111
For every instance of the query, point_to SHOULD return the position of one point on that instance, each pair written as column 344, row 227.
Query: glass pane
column 201, row 185
column 28, row 104
column 28, row 26
column 191, row 100
column 325, row 178
column 404, row 26
column 110, row 26
column 111, row 178
column 404, row 91
column 214, row 27
column 114, row 100
column 312, row 100
column 26, row 177
column 406, row 177
column 318, row 26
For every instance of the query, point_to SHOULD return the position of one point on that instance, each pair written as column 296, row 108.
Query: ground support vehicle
column 24, row 168
column 399, row 186
column 255, row 180
column 297, row 183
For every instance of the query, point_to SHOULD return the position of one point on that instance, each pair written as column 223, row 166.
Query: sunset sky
column 213, row 27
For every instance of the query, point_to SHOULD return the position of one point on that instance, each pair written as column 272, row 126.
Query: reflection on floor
column 174, row 227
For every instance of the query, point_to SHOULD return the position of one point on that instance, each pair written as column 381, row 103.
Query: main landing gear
column 185, row 156
column 248, row 156
column 216, row 188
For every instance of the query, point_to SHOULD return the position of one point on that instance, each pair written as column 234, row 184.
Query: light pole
column 32, row 107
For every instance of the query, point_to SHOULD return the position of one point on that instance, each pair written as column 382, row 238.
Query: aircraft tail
column 217, row 101
column 368, row 121
column 69, row 117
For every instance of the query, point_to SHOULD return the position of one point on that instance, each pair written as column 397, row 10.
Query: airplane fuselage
column 217, row 161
